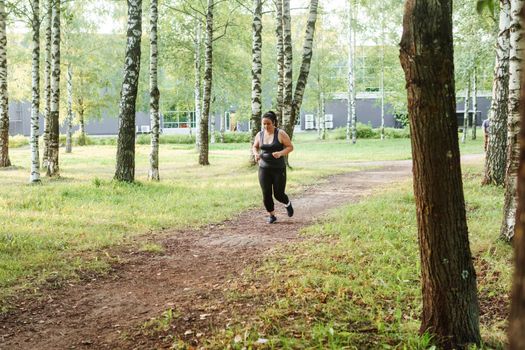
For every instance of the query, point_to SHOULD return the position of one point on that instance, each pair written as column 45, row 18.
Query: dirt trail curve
column 188, row 276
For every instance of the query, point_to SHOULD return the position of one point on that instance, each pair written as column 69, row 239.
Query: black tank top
column 267, row 159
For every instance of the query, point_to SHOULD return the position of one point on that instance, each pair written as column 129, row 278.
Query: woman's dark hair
column 272, row 116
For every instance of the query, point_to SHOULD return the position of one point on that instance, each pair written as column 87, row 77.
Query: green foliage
column 18, row 141
column 234, row 137
column 365, row 131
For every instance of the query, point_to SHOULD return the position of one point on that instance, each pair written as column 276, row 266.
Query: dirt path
column 189, row 276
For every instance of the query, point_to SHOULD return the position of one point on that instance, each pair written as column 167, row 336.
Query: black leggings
column 273, row 180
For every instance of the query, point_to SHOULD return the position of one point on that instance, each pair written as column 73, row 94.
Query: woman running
column 270, row 146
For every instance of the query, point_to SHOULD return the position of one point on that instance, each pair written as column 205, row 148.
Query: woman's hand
column 277, row 155
column 257, row 157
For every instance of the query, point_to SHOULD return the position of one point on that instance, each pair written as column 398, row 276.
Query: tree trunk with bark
column 300, row 85
column 256, row 73
column 288, row 66
column 513, row 122
column 280, row 60
column 4, row 102
column 496, row 156
column 125, row 169
column 35, row 93
column 450, row 304
column 53, row 169
column 208, row 76
column 351, row 88
column 197, row 91
column 382, row 72
column 47, row 82
column 466, row 112
column 154, row 94
column 517, row 310
column 474, row 101
column 69, row 119
column 81, row 123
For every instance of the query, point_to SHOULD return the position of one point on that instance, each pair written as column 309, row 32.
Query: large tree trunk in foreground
column 450, row 304
column 208, row 75
column 35, row 93
column 154, row 95
column 513, row 122
column 47, row 82
column 496, row 156
column 4, row 103
column 300, row 85
column 256, row 72
column 280, row 60
column 517, row 309
column 54, row 112
column 125, row 169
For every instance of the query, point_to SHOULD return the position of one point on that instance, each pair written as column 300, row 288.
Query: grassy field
column 48, row 228
column 354, row 283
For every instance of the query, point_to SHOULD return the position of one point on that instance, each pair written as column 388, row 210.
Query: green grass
column 355, row 283
column 57, row 228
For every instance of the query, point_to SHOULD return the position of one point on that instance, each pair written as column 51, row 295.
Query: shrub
column 18, row 141
column 234, row 137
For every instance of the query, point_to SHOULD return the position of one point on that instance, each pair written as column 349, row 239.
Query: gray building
column 368, row 110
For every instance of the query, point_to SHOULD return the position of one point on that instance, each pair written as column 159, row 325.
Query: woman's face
column 267, row 124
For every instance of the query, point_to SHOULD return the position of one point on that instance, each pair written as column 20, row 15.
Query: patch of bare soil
column 189, row 277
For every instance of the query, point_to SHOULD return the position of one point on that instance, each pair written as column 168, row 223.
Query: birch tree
column 154, row 94
column 54, row 113
column 125, row 168
column 197, row 88
column 208, row 76
column 496, row 156
column 474, row 101
column 280, row 60
column 35, row 92
column 294, row 109
column 350, row 118
column 287, row 66
column 450, row 304
column 516, row 330
column 465, row 112
column 382, row 80
column 69, row 117
column 513, row 123
column 4, row 103
column 256, row 72
column 47, row 81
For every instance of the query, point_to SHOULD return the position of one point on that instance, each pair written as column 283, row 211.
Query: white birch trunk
column 288, row 67
column 125, row 167
column 69, row 119
column 382, row 72
column 474, row 102
column 465, row 112
column 54, row 113
column 515, row 63
column 496, row 156
column 304, row 71
column 47, row 82
column 197, row 89
column 35, row 93
column 212, row 129
column 4, row 103
column 323, row 118
column 208, row 77
column 280, row 60
column 223, row 126
column 154, row 94
column 256, row 73
column 351, row 78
